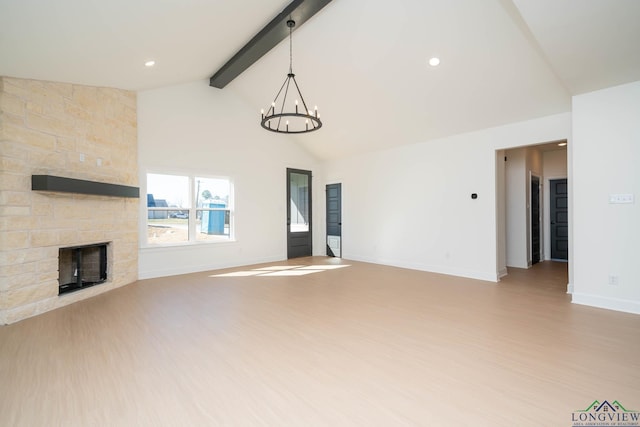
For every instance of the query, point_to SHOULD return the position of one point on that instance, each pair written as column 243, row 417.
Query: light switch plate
column 620, row 198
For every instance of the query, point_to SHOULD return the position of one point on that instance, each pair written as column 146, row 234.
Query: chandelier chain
column 290, row 51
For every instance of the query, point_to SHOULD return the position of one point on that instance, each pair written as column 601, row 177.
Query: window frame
column 192, row 209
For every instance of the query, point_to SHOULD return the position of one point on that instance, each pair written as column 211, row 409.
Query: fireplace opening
column 81, row 267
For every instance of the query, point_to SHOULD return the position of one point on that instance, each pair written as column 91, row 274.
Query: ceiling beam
column 272, row 34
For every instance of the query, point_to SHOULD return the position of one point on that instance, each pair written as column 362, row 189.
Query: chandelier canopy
column 289, row 113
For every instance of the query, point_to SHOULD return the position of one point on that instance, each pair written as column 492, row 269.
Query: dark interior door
column 535, row 219
column 334, row 220
column 559, row 219
column 299, row 241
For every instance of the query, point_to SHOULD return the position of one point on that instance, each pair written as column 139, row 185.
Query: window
column 183, row 209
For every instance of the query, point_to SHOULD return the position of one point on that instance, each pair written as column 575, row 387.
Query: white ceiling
column 363, row 62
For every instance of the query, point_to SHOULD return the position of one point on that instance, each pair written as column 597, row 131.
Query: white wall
column 516, row 208
column 411, row 206
column 605, row 153
column 554, row 167
column 194, row 128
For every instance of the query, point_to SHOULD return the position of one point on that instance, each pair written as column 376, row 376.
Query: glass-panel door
column 299, row 242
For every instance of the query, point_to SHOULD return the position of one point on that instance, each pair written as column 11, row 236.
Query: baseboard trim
column 569, row 288
column 470, row 274
column 616, row 304
column 142, row 275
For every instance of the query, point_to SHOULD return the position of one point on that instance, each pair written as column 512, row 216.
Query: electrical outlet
column 82, row 157
column 613, row 280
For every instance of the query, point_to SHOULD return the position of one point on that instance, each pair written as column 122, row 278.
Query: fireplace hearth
column 82, row 267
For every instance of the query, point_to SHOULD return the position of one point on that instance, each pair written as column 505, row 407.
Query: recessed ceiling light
column 150, row 63
column 434, row 62
column 562, row 144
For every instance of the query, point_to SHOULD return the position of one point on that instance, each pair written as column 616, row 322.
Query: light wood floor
column 361, row 345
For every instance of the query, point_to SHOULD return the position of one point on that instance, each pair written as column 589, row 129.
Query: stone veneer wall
column 72, row 131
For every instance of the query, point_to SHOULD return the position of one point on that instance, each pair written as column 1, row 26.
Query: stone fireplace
column 72, row 131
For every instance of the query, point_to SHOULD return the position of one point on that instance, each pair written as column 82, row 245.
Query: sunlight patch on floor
column 282, row 270
column 239, row 274
column 298, row 272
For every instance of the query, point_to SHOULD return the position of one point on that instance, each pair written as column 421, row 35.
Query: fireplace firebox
column 81, row 267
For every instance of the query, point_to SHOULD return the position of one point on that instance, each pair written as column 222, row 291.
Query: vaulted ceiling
column 363, row 62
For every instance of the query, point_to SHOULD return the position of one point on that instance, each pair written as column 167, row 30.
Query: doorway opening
column 524, row 179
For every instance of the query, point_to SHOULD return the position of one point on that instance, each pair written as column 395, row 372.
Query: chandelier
column 289, row 113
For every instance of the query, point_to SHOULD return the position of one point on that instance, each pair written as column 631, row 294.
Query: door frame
column 327, row 218
column 309, row 173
